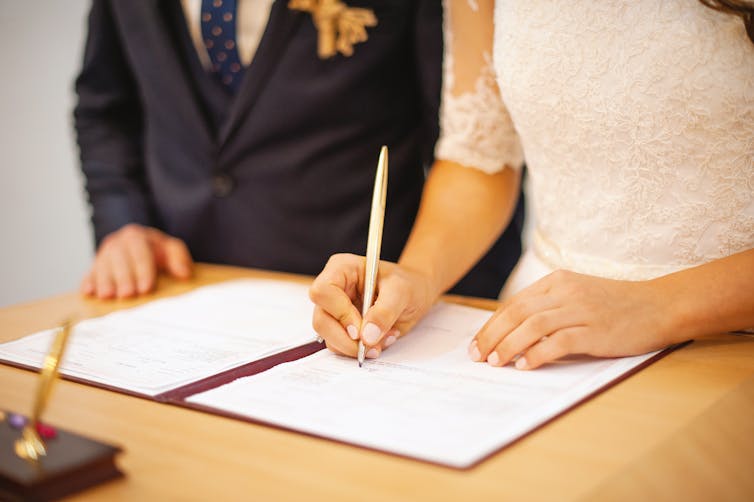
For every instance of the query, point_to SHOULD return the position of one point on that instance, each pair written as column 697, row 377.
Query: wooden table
column 681, row 429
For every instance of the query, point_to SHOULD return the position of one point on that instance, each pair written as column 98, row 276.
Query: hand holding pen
column 348, row 281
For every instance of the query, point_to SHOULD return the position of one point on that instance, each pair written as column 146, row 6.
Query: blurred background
column 45, row 239
column 46, row 243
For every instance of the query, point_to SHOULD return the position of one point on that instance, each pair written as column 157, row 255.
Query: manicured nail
column 352, row 331
column 372, row 353
column 474, row 353
column 521, row 364
column 493, row 359
column 371, row 334
column 390, row 340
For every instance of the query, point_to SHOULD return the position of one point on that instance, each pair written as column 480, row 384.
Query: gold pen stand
column 33, row 468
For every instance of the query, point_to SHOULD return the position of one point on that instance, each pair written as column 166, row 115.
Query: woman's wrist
column 676, row 319
column 431, row 286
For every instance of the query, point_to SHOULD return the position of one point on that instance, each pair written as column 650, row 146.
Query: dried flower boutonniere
column 339, row 26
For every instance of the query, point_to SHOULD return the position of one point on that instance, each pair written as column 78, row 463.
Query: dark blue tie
column 219, row 33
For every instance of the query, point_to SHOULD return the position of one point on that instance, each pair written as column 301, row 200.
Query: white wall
column 45, row 239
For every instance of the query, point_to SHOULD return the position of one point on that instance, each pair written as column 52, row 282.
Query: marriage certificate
column 423, row 398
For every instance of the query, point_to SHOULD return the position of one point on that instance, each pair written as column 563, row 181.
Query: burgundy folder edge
column 178, row 395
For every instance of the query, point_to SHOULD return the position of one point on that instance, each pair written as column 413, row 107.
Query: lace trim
column 632, row 159
column 475, row 128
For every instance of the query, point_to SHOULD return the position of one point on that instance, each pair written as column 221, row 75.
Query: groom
column 214, row 131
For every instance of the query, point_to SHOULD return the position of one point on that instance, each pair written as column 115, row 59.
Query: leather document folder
column 216, row 351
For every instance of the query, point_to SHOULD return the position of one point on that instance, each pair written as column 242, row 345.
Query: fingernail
column 493, row 359
column 144, row 286
column 390, row 340
column 352, row 331
column 371, row 334
column 125, row 292
column 372, row 353
column 521, row 364
column 474, row 353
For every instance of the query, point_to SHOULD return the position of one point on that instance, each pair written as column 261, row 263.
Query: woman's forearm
column 463, row 211
column 712, row 298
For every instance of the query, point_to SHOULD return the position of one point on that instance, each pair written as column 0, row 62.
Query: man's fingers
column 333, row 333
column 104, row 285
column 171, row 254
column 127, row 261
column 179, row 261
column 87, row 285
column 143, row 262
column 119, row 268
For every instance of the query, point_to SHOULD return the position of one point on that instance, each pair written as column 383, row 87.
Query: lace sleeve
column 475, row 128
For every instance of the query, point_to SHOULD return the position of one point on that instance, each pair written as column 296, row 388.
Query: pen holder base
column 72, row 463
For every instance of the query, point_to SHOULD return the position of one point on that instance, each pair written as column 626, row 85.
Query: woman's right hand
column 402, row 295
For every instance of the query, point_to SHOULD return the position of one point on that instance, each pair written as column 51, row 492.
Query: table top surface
column 682, row 428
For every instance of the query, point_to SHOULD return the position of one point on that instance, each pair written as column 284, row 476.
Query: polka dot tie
column 219, row 33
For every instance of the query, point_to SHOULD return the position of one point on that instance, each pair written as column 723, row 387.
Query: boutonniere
column 339, row 26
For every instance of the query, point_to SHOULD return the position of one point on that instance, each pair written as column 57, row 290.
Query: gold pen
column 374, row 241
column 30, row 446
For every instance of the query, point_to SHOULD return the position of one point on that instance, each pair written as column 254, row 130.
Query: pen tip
column 360, row 363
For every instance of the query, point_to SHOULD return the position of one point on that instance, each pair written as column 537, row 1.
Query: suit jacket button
column 222, row 185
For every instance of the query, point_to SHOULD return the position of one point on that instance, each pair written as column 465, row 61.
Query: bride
column 636, row 121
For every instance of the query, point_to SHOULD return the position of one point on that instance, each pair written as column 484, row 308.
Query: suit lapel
column 280, row 27
column 169, row 78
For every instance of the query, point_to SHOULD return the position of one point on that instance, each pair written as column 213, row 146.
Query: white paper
column 168, row 343
column 422, row 398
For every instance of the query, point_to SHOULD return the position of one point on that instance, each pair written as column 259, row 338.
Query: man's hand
column 129, row 259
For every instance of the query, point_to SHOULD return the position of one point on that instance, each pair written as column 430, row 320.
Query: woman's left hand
column 569, row 313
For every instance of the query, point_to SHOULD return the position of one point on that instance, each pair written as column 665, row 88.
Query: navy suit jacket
column 285, row 178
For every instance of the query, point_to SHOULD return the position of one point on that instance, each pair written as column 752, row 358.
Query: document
column 423, row 398
column 168, row 343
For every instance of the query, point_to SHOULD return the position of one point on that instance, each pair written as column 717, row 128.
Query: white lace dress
column 635, row 119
